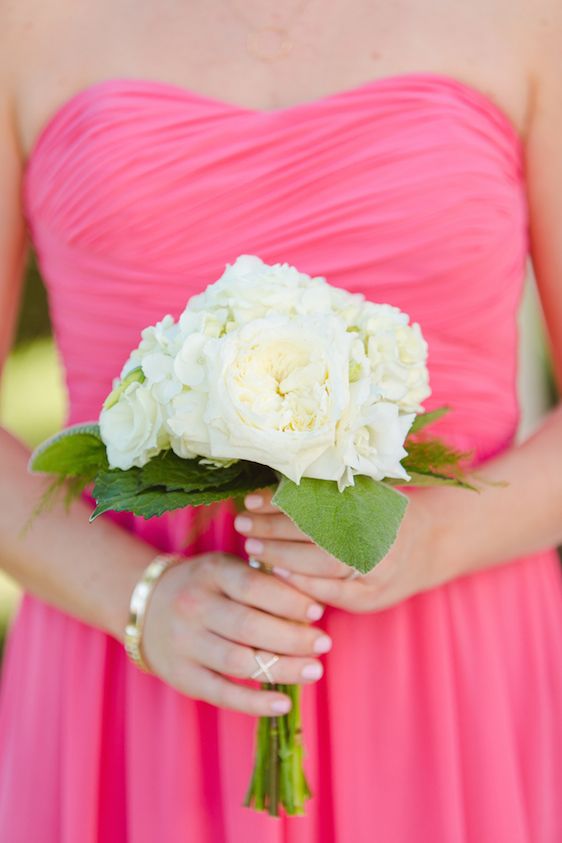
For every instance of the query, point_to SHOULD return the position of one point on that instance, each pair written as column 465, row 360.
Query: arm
column 447, row 532
column 206, row 615
column 95, row 589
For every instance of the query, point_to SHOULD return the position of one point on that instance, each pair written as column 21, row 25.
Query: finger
column 275, row 526
column 224, row 656
column 218, row 690
column 297, row 557
column 263, row 631
column 260, row 501
column 344, row 594
column 262, row 591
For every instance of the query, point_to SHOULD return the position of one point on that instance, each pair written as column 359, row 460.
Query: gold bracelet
column 138, row 603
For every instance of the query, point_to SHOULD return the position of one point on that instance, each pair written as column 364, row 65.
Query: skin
column 207, row 614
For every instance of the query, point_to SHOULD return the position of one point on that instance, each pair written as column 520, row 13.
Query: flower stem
column 273, row 767
column 278, row 777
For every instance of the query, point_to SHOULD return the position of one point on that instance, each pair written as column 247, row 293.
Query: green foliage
column 168, row 482
column 357, row 526
column 173, row 472
column 76, row 451
column 431, row 462
column 33, row 318
column 424, row 419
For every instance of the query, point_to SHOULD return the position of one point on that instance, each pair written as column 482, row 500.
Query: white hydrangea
column 271, row 365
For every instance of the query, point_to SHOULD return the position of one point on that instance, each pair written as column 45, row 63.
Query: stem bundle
column 278, row 776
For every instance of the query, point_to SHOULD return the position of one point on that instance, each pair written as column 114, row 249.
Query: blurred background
column 32, row 395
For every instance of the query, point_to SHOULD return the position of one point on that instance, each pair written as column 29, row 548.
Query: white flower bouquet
column 269, row 378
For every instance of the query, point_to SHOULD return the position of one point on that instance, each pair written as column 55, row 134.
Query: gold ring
column 259, row 566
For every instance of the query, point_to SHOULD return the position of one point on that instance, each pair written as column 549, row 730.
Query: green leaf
column 432, row 456
column 148, row 503
column 175, row 473
column 115, row 484
column 423, row 419
column 432, row 478
column 129, row 491
column 76, row 451
column 357, row 526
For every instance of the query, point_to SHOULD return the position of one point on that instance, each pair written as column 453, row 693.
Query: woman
column 405, row 152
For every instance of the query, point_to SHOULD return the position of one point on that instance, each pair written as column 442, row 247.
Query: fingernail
column 312, row 671
column 322, row 644
column 242, row 523
column 253, row 501
column 315, row 612
column 253, row 546
column 281, row 572
column 281, row 706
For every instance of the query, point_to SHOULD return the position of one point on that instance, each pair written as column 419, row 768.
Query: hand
column 206, row 614
column 407, row 569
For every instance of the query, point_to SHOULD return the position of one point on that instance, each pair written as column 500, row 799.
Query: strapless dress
column 438, row 720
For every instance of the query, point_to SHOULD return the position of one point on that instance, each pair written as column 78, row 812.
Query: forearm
column 87, row 570
column 503, row 522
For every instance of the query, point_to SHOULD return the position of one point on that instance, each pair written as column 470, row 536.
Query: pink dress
column 437, row 720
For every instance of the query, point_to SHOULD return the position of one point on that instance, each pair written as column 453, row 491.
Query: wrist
column 117, row 608
column 449, row 546
column 138, row 603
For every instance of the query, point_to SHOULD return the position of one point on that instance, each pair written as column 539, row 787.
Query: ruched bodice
column 138, row 193
column 435, row 720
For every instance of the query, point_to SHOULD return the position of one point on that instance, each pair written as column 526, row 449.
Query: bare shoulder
column 35, row 38
column 545, row 55
column 21, row 23
column 543, row 165
column 543, row 30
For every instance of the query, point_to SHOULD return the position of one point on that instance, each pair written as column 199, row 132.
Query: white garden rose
column 397, row 353
column 133, row 429
column 277, row 367
column 275, row 390
column 370, row 440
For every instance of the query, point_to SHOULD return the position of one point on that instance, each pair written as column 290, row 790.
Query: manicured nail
column 253, row 501
column 312, row 671
column 253, row 546
column 322, row 644
column 281, row 706
column 315, row 612
column 242, row 523
column 281, row 572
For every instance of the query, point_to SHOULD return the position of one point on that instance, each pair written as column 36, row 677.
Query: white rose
column 397, row 353
column 276, row 390
column 133, row 429
column 370, row 441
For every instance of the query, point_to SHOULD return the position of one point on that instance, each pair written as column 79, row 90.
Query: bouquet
column 269, row 378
